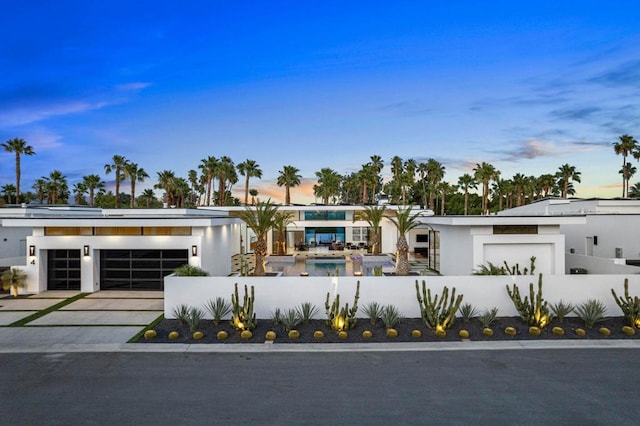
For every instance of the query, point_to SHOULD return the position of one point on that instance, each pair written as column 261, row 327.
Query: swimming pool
column 324, row 267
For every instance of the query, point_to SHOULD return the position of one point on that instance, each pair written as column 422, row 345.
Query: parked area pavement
column 68, row 321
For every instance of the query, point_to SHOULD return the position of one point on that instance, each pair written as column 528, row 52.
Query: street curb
column 324, row 347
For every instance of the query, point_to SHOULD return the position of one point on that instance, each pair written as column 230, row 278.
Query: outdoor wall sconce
column 85, row 250
column 194, row 250
column 32, row 250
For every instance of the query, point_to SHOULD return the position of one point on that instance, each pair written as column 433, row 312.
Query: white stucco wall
column 13, row 241
column 613, row 231
column 483, row 292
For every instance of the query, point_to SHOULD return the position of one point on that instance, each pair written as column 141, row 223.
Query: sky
column 526, row 86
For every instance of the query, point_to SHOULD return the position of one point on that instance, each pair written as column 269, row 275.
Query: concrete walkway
column 105, row 321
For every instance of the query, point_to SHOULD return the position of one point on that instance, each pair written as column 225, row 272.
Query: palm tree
column 328, row 184
column 19, row 147
column 56, row 185
column 422, row 171
column 280, row 222
column 288, row 178
column 627, row 172
column 196, row 189
column 373, row 215
column 547, row 182
column 378, row 164
column 166, row 181
column 254, row 193
column 260, row 220
column 79, row 189
column 566, row 174
column 484, row 173
column 40, row 186
column 9, row 191
column 435, row 174
column 13, row 279
column 249, row 169
column 117, row 164
column 147, row 197
column 226, row 174
column 135, row 174
column 404, row 222
column 208, row 166
column 634, row 191
column 519, row 181
column 92, row 183
column 467, row 182
column 626, row 145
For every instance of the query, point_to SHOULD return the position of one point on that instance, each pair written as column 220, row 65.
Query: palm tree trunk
column 17, row 176
column 402, row 256
column 260, row 254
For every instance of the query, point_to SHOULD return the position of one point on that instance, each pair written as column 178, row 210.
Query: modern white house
column 95, row 249
column 608, row 241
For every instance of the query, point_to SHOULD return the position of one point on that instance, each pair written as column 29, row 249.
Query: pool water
column 324, row 268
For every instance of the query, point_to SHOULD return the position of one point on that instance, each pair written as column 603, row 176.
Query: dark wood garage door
column 138, row 269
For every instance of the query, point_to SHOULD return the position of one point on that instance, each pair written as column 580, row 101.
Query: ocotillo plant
column 533, row 309
column 243, row 316
column 438, row 313
column 630, row 305
column 342, row 318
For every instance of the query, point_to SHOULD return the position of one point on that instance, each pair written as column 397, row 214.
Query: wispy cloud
column 407, row 107
column 575, row 113
column 624, row 74
column 21, row 115
column 135, row 86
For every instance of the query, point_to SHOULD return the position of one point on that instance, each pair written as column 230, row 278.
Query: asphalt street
column 509, row 387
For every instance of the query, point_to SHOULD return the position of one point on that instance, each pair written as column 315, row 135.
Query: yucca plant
column 181, row 312
column 290, row 319
column 373, row 311
column 218, row 308
column 306, row 311
column 390, row 316
column 194, row 317
column 276, row 315
column 591, row 312
column 560, row 310
column 467, row 311
column 488, row 317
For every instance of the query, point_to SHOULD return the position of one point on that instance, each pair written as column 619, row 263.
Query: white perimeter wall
column 613, row 231
column 484, row 292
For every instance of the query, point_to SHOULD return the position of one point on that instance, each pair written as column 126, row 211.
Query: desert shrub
column 373, row 311
column 306, row 311
column 488, row 317
column 591, row 312
column 290, row 319
column 181, row 312
column 218, row 308
column 390, row 316
column 467, row 311
column 190, row 271
column 560, row 310
column 276, row 315
column 194, row 317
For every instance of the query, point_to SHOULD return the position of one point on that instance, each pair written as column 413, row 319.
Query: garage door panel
column 138, row 269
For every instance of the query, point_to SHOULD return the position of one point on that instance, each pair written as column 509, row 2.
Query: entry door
column 63, row 270
column 589, row 246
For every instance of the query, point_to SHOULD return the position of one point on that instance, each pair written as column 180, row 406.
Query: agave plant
column 194, row 317
column 218, row 308
column 373, row 311
column 306, row 311
column 181, row 312
column 276, row 316
column 591, row 312
column 561, row 309
column 390, row 316
column 467, row 311
column 488, row 317
column 290, row 319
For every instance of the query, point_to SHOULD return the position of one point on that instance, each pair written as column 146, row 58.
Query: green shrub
column 560, row 310
column 488, row 317
column 306, row 311
column 218, row 308
column 467, row 311
column 194, row 317
column 275, row 316
column 190, row 271
column 591, row 312
column 181, row 312
column 290, row 319
column 373, row 311
column 390, row 316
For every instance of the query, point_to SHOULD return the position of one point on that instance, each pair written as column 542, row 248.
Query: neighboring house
column 459, row 245
column 95, row 249
column 607, row 242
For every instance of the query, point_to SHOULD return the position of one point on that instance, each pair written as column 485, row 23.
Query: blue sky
column 526, row 86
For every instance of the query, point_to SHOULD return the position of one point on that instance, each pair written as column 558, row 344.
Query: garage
column 138, row 269
column 63, row 270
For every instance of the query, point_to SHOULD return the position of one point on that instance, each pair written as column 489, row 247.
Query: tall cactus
column 515, row 270
column 342, row 318
column 630, row 305
column 243, row 316
column 533, row 309
column 438, row 313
